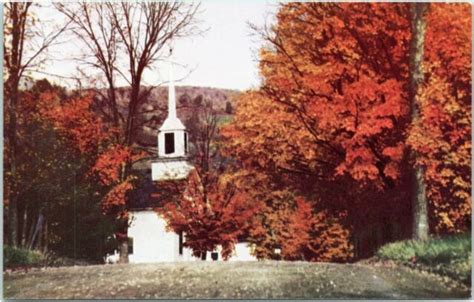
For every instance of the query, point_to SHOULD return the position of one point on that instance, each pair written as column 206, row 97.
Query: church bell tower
column 172, row 140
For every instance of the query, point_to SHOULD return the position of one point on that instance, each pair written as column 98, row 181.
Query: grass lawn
column 449, row 256
column 240, row 280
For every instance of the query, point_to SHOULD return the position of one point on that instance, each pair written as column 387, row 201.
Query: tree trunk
column 18, row 19
column 123, row 225
column 13, row 220
column 419, row 200
column 24, row 229
column 13, row 192
column 45, row 237
column 30, row 233
column 420, row 207
column 123, row 251
column 39, row 245
column 126, row 167
column 37, row 229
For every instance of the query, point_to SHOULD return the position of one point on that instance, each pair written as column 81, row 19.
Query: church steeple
column 172, row 140
column 172, row 136
column 171, row 89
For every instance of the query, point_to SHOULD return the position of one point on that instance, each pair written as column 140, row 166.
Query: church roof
column 149, row 194
column 140, row 197
column 172, row 124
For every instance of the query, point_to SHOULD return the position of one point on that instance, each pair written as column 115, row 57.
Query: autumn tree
column 123, row 41
column 76, row 197
column 340, row 103
column 440, row 134
column 292, row 228
column 209, row 217
column 59, row 201
column 315, row 236
column 336, row 83
column 23, row 44
column 270, row 169
column 352, row 108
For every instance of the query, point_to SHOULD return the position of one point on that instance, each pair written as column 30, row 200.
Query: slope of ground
column 229, row 280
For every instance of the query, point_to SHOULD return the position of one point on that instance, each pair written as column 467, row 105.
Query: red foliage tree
column 315, row 236
column 300, row 233
column 209, row 217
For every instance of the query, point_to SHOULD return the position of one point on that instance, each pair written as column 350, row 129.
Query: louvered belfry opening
column 169, row 143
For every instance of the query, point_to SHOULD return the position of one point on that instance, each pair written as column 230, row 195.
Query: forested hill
column 153, row 110
column 185, row 95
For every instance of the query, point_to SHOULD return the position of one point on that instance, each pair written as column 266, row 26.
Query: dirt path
column 229, row 280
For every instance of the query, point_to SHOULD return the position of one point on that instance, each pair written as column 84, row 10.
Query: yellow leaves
column 445, row 220
column 463, row 195
column 458, row 181
column 447, row 173
column 258, row 139
column 318, row 232
column 452, row 108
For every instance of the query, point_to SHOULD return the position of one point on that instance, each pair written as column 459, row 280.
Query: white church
column 149, row 240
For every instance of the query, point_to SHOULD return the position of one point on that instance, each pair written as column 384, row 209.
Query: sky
column 225, row 56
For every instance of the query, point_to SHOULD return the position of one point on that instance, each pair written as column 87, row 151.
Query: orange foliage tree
column 52, row 170
column 278, row 155
column 346, row 87
column 292, row 226
column 335, row 84
column 315, row 236
column 75, row 119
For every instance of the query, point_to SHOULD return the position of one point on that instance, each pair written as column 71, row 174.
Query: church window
column 215, row 256
column 169, row 143
column 185, row 142
column 130, row 245
column 181, row 243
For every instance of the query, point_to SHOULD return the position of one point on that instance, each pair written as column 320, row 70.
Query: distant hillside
column 153, row 110
column 186, row 94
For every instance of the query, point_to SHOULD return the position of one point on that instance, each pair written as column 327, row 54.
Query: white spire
column 171, row 89
column 171, row 122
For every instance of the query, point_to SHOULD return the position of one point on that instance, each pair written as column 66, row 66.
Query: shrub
column 14, row 257
column 450, row 256
column 18, row 257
